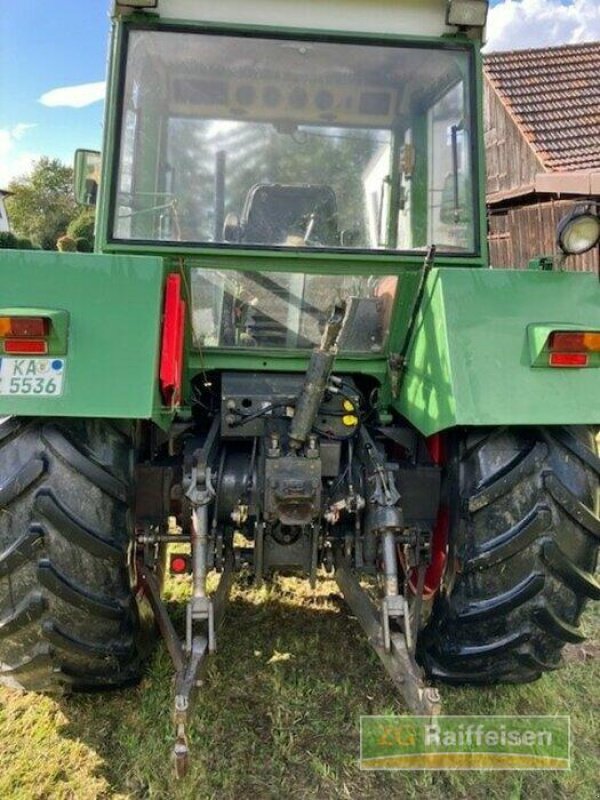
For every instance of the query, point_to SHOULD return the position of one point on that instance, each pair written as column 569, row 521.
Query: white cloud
column 21, row 129
column 520, row 24
column 78, row 96
column 12, row 164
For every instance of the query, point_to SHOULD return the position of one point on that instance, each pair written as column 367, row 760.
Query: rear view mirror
column 86, row 177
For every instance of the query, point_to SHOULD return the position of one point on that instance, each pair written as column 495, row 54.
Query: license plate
column 32, row 377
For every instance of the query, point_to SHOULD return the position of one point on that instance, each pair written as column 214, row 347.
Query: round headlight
column 579, row 231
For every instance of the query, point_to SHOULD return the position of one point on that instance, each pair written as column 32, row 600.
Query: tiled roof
column 553, row 94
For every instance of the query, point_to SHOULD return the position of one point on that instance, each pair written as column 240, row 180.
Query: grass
column 278, row 717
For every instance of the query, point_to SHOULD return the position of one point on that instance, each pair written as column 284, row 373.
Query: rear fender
column 474, row 358
column 106, row 314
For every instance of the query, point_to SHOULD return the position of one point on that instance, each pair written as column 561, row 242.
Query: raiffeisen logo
column 465, row 743
column 477, row 736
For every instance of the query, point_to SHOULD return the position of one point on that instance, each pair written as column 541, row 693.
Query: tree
column 42, row 203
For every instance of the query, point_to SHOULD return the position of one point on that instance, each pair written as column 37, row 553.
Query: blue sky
column 43, row 46
column 53, row 62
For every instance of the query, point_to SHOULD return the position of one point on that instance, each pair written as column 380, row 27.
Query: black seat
column 280, row 214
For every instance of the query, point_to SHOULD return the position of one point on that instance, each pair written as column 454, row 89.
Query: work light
column 579, row 231
column 467, row 13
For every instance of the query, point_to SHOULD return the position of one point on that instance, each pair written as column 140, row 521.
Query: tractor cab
column 295, row 141
column 293, row 171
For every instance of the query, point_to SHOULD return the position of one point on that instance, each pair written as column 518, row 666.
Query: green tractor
column 289, row 354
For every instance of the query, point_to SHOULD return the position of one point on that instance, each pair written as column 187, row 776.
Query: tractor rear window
column 288, row 310
column 283, row 143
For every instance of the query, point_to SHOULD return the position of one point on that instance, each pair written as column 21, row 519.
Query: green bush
column 24, row 244
column 66, row 244
column 82, row 227
column 8, row 240
column 83, row 245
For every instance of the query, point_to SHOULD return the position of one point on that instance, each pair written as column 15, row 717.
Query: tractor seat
column 293, row 215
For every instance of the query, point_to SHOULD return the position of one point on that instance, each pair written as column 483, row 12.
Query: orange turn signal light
column 24, row 327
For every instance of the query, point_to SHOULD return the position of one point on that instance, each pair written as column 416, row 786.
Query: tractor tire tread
column 69, row 620
column 69, row 591
column 524, row 547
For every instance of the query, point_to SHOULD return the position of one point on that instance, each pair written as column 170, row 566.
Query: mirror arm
column 454, row 134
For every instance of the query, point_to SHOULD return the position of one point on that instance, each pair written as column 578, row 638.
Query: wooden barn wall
column 511, row 163
column 516, row 235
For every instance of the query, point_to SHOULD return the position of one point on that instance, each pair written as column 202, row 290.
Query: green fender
column 477, row 354
column 108, row 312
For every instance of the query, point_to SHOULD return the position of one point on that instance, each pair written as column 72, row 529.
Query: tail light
column 568, row 360
column 574, row 342
column 24, row 335
column 26, row 327
column 572, row 348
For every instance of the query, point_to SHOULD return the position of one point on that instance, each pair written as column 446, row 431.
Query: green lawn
column 278, row 718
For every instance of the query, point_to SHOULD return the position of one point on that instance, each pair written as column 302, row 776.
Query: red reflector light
column 179, row 564
column 568, row 360
column 574, row 342
column 25, row 327
column 171, row 358
column 26, row 346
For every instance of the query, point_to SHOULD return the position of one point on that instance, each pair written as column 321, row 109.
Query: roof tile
column 554, row 95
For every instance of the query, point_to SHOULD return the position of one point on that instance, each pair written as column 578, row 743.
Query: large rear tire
column 68, row 614
column 523, row 550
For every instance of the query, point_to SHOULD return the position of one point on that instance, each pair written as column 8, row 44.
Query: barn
column 542, row 139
